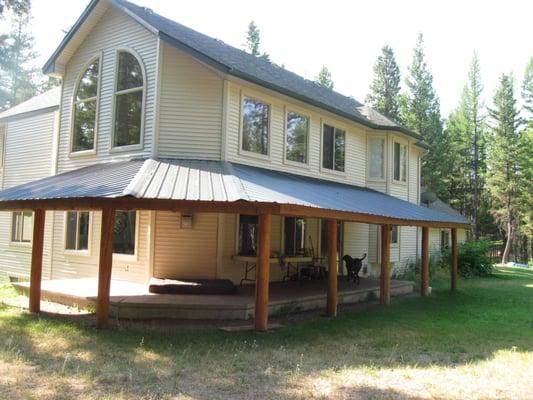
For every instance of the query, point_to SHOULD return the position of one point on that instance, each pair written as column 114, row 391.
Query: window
column 2, row 143
column 333, row 144
column 294, row 232
column 444, row 240
column 297, row 137
column 376, row 158
column 395, row 234
column 248, row 229
column 128, row 101
column 124, row 232
column 400, row 162
column 77, row 230
column 84, row 108
column 22, row 227
column 255, row 126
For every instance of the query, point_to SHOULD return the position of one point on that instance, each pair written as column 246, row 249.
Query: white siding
column 28, row 156
column 115, row 30
column 190, row 118
column 356, row 240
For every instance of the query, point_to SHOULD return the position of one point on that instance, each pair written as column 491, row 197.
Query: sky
column 346, row 36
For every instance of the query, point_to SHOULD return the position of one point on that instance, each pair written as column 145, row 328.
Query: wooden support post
column 454, row 260
column 262, row 278
column 332, row 268
column 37, row 260
column 424, row 270
column 384, row 292
column 105, row 267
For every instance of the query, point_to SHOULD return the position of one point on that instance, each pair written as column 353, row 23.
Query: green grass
column 475, row 343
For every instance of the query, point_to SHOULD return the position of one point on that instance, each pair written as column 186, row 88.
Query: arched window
column 128, row 101
column 85, row 105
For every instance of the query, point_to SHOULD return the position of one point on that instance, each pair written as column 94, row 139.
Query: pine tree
column 420, row 111
column 15, row 69
column 253, row 41
column 505, row 179
column 324, row 78
column 18, row 7
column 385, row 88
column 527, row 89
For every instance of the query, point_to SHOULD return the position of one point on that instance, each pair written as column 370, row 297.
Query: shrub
column 472, row 259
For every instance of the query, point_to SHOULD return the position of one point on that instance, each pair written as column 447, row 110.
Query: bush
column 473, row 259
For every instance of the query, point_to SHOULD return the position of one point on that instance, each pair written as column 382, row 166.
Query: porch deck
column 130, row 300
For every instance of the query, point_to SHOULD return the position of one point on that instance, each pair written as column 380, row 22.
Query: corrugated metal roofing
column 219, row 181
column 41, row 101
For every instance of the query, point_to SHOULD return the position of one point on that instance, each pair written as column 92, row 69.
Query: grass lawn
column 477, row 343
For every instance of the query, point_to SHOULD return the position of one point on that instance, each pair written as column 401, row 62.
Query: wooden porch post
column 37, row 260
column 262, row 278
column 332, row 268
column 384, row 292
column 454, row 260
column 424, row 271
column 105, row 267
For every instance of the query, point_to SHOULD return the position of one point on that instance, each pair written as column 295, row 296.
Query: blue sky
column 347, row 36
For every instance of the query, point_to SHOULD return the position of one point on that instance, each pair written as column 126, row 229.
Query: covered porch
column 131, row 300
column 190, row 186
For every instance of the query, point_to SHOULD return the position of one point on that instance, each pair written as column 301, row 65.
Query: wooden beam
column 424, row 270
column 384, row 292
column 454, row 260
column 332, row 268
column 37, row 260
column 262, row 278
column 105, row 267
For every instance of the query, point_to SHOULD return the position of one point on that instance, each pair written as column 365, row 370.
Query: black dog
column 353, row 265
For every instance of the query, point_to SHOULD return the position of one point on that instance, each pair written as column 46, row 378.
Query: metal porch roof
column 219, row 181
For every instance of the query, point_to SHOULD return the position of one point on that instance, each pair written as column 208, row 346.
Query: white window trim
column 120, row 257
column 282, row 233
column 370, row 137
column 395, row 181
column 397, row 244
column 13, row 242
column 251, row 154
column 3, row 136
column 333, row 172
column 73, row 101
column 306, row 164
column 79, row 253
column 140, row 145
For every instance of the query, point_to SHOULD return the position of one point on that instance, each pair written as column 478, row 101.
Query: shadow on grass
column 146, row 359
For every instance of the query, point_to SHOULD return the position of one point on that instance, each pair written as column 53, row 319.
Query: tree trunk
column 509, row 240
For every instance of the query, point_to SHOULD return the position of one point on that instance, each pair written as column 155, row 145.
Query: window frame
column 16, row 242
column 334, row 126
column 247, row 153
column 140, row 145
column 135, row 256
column 84, row 253
column 398, row 230
column 3, row 136
column 383, row 138
column 283, row 235
column 401, row 144
column 446, row 233
column 237, row 234
column 295, row 110
column 73, row 102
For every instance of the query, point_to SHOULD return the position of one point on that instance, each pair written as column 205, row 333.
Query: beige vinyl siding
column 68, row 265
column 190, row 107
column 355, row 151
column 408, row 247
column 115, row 30
column 414, row 180
column 27, row 138
column 185, row 253
column 356, row 240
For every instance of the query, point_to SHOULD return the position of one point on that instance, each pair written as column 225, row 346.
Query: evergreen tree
column 324, row 78
column 253, row 41
column 420, row 111
column 527, row 89
column 505, row 178
column 385, row 88
column 18, row 7
column 16, row 72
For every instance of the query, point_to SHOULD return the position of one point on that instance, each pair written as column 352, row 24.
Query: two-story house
column 207, row 162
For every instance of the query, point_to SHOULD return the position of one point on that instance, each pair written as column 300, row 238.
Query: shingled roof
column 241, row 64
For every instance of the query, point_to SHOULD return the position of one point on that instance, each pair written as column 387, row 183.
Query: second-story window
column 333, row 148
column 400, row 162
column 255, row 126
column 128, row 101
column 297, row 137
column 85, row 105
column 376, row 158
